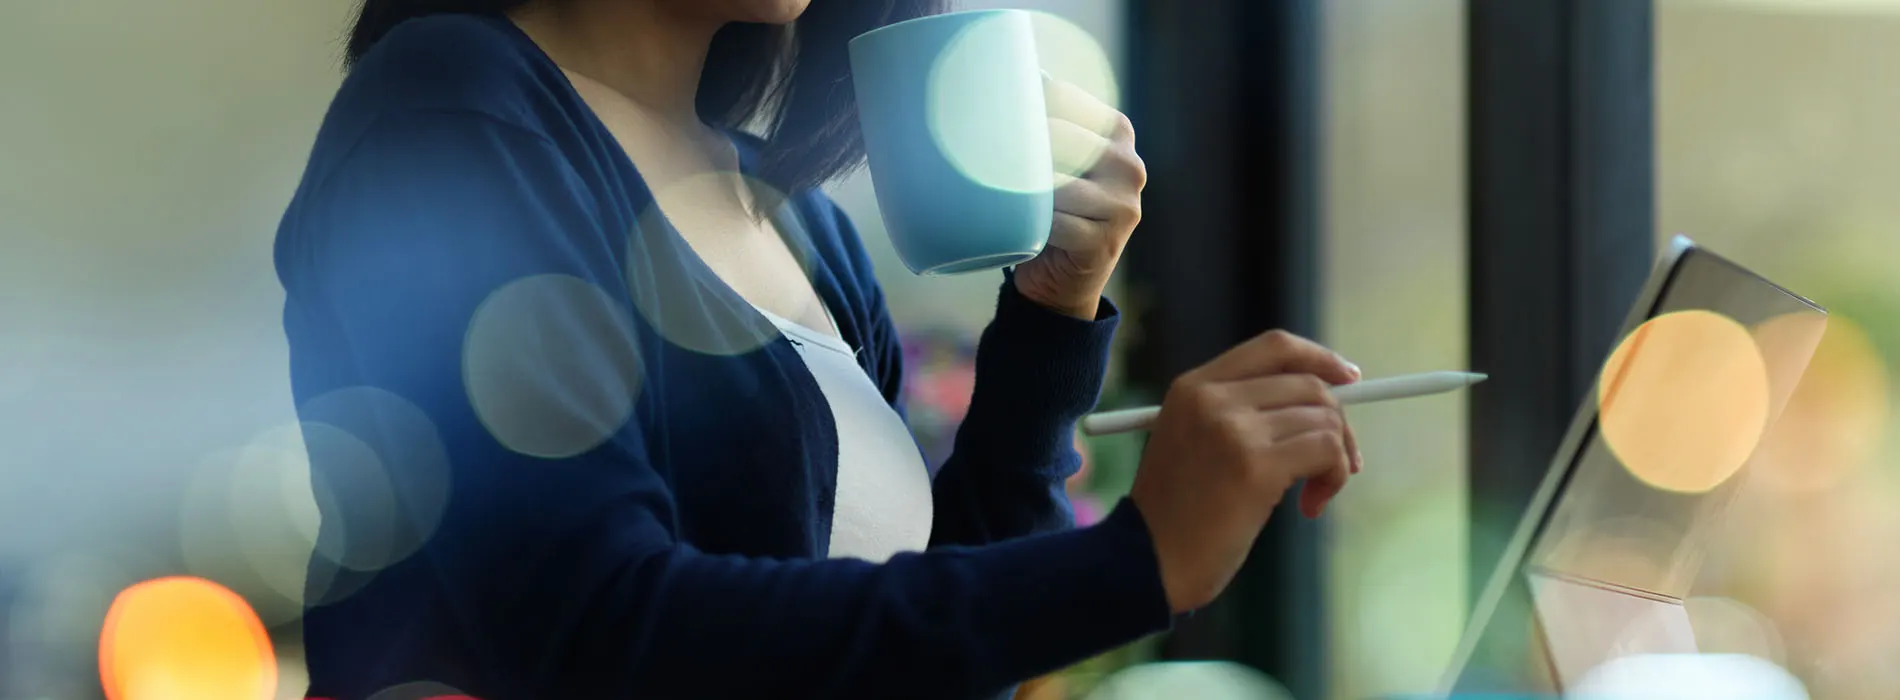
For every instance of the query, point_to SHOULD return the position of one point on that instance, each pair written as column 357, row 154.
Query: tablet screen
column 1615, row 538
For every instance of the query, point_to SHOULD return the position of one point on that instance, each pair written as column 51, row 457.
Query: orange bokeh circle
column 1836, row 415
column 1684, row 399
column 184, row 638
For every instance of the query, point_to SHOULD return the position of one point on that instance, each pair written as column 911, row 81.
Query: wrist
column 1085, row 305
column 1143, row 545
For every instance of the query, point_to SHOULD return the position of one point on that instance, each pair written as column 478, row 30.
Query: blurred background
column 1409, row 180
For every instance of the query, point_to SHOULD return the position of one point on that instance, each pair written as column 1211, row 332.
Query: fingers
column 1279, row 352
column 1287, row 423
column 1078, row 152
column 1296, row 442
column 1090, row 138
column 1313, row 437
column 1352, row 449
column 1274, row 391
column 1095, row 201
column 1071, row 232
column 1278, row 370
column 1304, row 390
column 1319, row 491
column 1283, row 390
column 1310, row 455
column 1072, row 104
column 1318, row 457
column 1087, row 215
column 1076, row 148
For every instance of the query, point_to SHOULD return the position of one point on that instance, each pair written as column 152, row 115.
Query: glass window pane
column 1394, row 301
column 1776, row 147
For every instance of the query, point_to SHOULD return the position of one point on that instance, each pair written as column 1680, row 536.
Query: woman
column 574, row 399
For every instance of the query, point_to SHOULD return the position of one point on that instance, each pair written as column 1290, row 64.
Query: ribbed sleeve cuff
column 1038, row 372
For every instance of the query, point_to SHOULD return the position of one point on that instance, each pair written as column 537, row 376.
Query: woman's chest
column 789, row 451
column 744, row 444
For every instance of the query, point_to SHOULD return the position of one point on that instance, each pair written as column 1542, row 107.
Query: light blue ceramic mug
column 958, row 138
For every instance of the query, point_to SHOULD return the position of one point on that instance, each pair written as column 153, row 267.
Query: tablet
column 1613, row 538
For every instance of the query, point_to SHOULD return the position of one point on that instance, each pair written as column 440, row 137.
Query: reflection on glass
column 1613, row 526
column 1836, row 418
column 1586, row 625
column 1683, row 400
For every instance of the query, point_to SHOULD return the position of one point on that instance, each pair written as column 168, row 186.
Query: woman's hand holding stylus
column 1232, row 437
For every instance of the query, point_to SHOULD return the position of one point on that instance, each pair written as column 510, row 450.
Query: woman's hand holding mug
column 1097, row 202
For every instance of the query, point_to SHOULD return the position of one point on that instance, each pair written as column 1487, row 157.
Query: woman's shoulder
column 453, row 62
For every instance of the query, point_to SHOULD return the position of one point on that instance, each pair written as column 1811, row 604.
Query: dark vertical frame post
column 1225, row 97
column 1561, row 207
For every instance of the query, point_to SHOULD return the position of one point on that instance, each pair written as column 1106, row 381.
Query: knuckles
column 1233, row 430
column 1198, row 396
column 1132, row 177
column 1279, row 340
column 1132, row 166
column 1312, row 389
column 1122, row 128
column 1265, row 476
column 1332, row 421
column 1129, row 212
column 1334, row 450
column 1121, row 154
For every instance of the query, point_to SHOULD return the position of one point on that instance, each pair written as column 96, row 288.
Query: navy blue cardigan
column 556, row 457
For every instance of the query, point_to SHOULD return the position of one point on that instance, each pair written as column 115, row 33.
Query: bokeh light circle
column 1787, row 343
column 380, row 474
column 968, row 106
column 273, row 476
column 1688, row 677
column 356, row 498
column 1683, row 400
column 1405, row 624
column 1729, row 626
column 185, row 638
column 1853, row 642
column 249, row 522
column 1201, row 680
column 1069, row 53
column 550, row 366
column 1082, row 71
column 699, row 312
column 1720, row 626
column 1836, row 415
column 293, row 674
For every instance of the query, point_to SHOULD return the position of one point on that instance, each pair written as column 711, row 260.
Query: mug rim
column 927, row 18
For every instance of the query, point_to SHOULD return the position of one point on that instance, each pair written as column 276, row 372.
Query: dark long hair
column 792, row 82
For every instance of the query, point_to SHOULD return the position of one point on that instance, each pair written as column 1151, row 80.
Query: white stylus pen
column 1400, row 387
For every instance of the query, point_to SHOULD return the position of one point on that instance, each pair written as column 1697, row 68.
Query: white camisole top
column 883, row 504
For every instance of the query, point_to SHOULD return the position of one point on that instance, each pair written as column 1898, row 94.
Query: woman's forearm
column 1038, row 372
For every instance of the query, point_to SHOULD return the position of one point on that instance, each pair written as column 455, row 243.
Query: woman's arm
column 1037, row 373
column 563, row 575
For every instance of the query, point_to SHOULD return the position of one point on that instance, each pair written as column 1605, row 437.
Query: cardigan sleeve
column 557, row 555
column 1037, row 373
